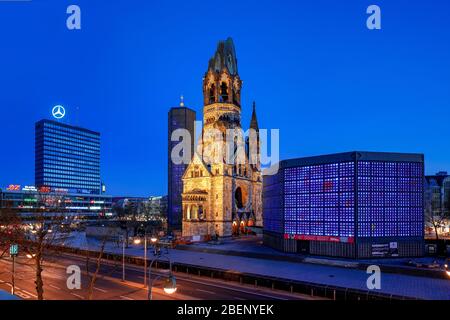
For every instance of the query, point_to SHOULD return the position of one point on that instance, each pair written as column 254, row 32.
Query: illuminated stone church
column 222, row 197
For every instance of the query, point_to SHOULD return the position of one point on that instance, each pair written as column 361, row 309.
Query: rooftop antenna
column 76, row 116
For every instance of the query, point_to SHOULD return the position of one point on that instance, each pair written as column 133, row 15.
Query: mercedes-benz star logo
column 58, row 112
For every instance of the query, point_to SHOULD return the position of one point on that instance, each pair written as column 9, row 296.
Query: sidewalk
column 396, row 284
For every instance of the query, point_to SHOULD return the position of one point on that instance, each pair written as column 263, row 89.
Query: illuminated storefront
column 29, row 200
column 357, row 204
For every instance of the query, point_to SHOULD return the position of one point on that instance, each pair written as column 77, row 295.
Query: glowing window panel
column 347, row 184
column 331, row 214
column 347, row 169
column 331, row 185
column 331, row 228
column 303, row 200
column 347, row 214
column 303, row 214
column 347, row 229
column 331, row 200
column 347, row 200
column 316, row 172
column 377, row 199
column 291, row 187
column 364, row 183
column 364, row 229
column 331, row 170
column 291, row 227
column 317, row 214
column 390, row 169
column 364, row 214
column 303, row 228
column 317, row 185
column 364, row 199
column 364, row 169
column 304, row 173
column 317, row 228
column 303, row 186
column 377, row 229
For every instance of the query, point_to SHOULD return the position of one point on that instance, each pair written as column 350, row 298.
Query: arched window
column 224, row 92
column 212, row 94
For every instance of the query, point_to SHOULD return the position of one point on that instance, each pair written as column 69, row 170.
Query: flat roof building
column 26, row 202
column 354, row 205
column 67, row 158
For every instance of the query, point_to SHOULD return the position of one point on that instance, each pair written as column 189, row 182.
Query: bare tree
column 49, row 223
column 93, row 277
column 437, row 221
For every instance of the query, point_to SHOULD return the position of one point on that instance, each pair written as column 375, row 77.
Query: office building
column 178, row 118
column 354, row 205
column 67, row 158
column 437, row 203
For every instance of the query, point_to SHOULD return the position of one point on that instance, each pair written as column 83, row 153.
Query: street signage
column 14, row 250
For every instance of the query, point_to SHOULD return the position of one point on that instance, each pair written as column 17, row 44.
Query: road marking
column 126, row 298
column 205, row 291
column 22, row 295
column 54, row 287
column 29, row 293
column 77, row 295
column 101, row 290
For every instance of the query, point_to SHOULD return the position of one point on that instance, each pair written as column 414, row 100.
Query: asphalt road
column 109, row 284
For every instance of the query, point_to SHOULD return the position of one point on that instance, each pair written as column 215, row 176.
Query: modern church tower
column 179, row 118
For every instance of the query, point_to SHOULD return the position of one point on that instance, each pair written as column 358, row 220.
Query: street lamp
column 170, row 283
column 138, row 241
column 123, row 258
column 447, row 267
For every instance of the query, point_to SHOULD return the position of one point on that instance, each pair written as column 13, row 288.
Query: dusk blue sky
column 316, row 72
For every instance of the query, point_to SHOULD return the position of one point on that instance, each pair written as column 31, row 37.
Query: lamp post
column 170, row 284
column 138, row 241
column 123, row 259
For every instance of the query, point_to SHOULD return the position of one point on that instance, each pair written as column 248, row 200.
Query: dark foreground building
column 354, row 205
column 179, row 118
column 67, row 158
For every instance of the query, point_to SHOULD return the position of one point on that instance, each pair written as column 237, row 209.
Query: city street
column 110, row 287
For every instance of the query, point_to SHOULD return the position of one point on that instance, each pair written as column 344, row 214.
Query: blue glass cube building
column 67, row 158
column 353, row 205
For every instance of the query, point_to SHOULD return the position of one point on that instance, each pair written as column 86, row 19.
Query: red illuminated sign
column 319, row 238
column 13, row 187
column 44, row 189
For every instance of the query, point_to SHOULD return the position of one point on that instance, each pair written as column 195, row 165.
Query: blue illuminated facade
column 67, row 158
column 357, row 204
